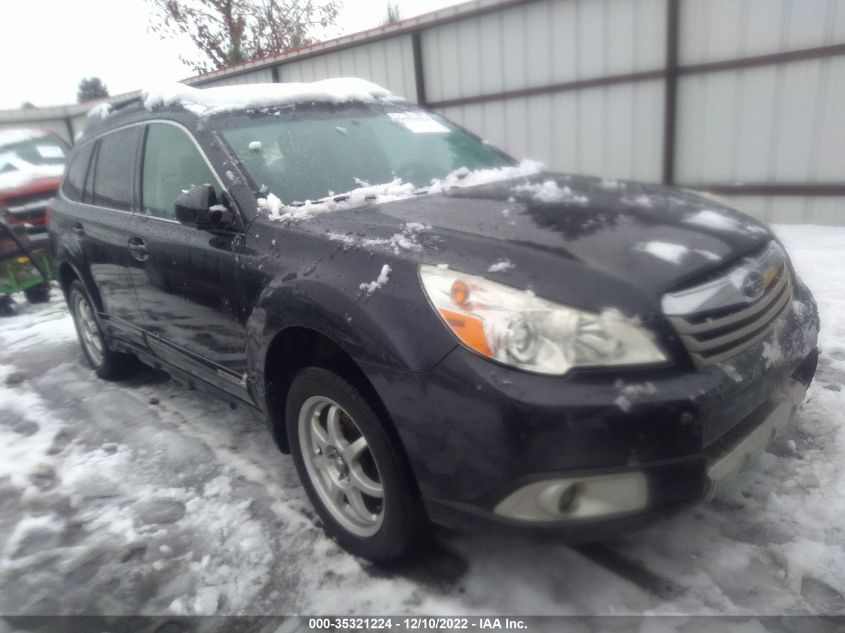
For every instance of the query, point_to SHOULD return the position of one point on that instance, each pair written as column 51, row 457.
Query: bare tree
column 227, row 32
column 392, row 13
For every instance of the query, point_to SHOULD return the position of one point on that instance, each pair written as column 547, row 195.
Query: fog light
column 581, row 498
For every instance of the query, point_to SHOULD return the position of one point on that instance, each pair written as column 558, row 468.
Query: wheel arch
column 67, row 273
column 297, row 347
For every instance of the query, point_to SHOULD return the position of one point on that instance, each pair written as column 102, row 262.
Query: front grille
column 713, row 333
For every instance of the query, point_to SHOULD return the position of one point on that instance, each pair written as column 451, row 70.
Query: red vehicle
column 31, row 166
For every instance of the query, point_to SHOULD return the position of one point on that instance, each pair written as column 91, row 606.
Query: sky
column 47, row 46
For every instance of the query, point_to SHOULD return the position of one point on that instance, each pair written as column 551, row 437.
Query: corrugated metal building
column 742, row 97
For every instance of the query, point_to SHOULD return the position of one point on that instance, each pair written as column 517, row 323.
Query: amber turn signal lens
column 468, row 329
column 460, row 292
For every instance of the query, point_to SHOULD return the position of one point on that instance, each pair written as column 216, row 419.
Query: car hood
column 539, row 231
column 15, row 184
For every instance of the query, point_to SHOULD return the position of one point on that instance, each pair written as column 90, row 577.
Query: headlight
column 517, row 328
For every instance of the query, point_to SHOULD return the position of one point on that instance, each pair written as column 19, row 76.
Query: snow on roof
column 19, row 135
column 212, row 100
column 101, row 110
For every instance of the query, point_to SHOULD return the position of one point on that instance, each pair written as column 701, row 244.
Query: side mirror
column 192, row 206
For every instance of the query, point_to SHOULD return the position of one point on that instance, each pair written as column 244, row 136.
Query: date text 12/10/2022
column 416, row 623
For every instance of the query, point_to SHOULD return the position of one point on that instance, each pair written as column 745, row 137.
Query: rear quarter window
column 113, row 169
column 75, row 176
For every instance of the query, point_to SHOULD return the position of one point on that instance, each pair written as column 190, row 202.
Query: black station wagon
column 435, row 332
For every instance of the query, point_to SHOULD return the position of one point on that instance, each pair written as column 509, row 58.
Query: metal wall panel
column 262, row 75
column 780, row 123
column 613, row 131
column 388, row 63
column 714, row 30
column 824, row 210
column 540, row 43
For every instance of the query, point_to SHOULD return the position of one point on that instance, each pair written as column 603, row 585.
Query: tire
column 38, row 294
column 106, row 364
column 340, row 467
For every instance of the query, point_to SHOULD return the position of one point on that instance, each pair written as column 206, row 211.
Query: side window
column 113, row 170
column 75, row 175
column 172, row 164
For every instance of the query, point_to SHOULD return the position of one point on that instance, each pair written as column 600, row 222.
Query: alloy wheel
column 89, row 330
column 341, row 466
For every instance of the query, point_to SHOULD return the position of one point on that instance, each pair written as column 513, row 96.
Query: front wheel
column 106, row 363
column 353, row 472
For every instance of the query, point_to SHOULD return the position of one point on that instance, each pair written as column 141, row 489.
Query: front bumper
column 486, row 442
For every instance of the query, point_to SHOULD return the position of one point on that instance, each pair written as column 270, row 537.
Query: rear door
column 186, row 280
column 99, row 225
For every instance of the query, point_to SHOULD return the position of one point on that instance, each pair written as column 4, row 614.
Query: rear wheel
column 38, row 294
column 106, row 363
column 353, row 472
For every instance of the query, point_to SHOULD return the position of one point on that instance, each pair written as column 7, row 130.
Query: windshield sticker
column 419, row 122
column 49, row 151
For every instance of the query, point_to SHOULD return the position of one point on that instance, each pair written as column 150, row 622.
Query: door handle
column 78, row 229
column 137, row 249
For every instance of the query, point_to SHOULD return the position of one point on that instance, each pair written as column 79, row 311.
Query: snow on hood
column 16, row 172
column 393, row 191
column 10, row 137
column 212, row 100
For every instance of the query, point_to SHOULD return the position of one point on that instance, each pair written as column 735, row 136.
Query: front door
column 186, row 279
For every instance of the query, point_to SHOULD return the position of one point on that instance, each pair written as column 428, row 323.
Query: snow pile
column 550, row 191
column 610, row 184
column 372, row 194
column 641, row 200
column 208, row 101
column 407, row 239
column 672, row 253
column 368, row 288
column 392, row 191
column 100, row 111
column 501, row 266
column 721, row 221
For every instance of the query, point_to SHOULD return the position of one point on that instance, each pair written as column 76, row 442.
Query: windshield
column 34, row 151
column 331, row 151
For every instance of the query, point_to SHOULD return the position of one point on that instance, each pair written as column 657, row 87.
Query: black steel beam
column 772, row 188
column 670, row 94
column 419, row 72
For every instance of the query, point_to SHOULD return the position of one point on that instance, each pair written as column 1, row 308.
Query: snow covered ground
column 143, row 497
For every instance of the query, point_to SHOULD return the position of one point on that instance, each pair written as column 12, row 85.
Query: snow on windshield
column 392, row 191
column 213, row 100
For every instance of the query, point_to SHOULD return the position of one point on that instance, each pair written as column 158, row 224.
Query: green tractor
column 23, row 268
